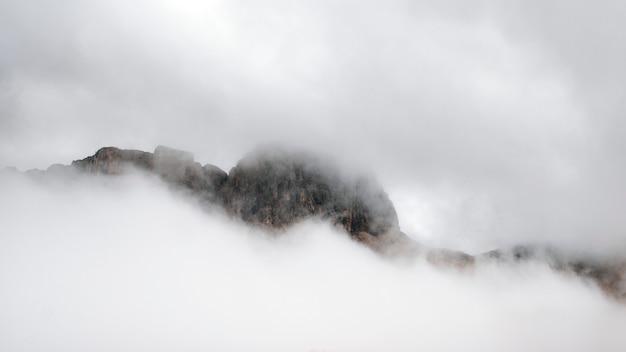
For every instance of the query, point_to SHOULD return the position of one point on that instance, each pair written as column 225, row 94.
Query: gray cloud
column 124, row 264
column 488, row 123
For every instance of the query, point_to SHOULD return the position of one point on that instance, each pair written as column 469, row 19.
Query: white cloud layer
column 497, row 122
column 126, row 265
column 489, row 123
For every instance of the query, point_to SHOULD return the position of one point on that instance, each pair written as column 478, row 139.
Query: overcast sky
column 488, row 122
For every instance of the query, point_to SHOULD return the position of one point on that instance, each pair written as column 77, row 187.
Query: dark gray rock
column 175, row 167
column 115, row 161
column 274, row 188
column 608, row 273
column 450, row 259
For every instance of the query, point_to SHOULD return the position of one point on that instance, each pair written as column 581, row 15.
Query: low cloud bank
column 124, row 264
column 497, row 123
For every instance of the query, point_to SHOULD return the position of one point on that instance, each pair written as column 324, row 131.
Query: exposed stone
column 172, row 164
column 175, row 167
column 393, row 244
column 450, row 259
column 275, row 188
column 608, row 274
column 271, row 188
column 114, row 161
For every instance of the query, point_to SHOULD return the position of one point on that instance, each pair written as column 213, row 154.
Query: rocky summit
column 274, row 188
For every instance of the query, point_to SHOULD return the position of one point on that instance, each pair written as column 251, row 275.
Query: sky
column 489, row 123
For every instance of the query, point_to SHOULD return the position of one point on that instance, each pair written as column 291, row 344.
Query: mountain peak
column 274, row 188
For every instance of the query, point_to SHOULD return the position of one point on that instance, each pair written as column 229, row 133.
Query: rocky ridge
column 271, row 188
column 274, row 188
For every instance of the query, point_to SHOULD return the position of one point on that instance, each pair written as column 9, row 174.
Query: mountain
column 271, row 188
column 274, row 188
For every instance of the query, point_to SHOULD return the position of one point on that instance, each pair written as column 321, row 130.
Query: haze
column 125, row 264
column 489, row 124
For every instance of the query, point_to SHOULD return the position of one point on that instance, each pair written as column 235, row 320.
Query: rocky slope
column 274, row 188
column 271, row 188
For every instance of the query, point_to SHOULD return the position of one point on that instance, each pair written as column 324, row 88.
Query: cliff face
column 173, row 166
column 274, row 189
column 608, row 273
column 271, row 188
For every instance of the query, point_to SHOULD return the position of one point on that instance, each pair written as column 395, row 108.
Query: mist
column 124, row 263
column 488, row 123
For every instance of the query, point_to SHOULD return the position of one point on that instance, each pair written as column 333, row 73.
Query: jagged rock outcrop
column 450, row 259
column 114, row 161
column 608, row 273
column 175, row 167
column 274, row 188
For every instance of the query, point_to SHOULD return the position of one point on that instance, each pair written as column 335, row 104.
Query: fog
column 489, row 124
column 125, row 264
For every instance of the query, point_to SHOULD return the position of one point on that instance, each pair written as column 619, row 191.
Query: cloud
column 488, row 123
column 125, row 264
